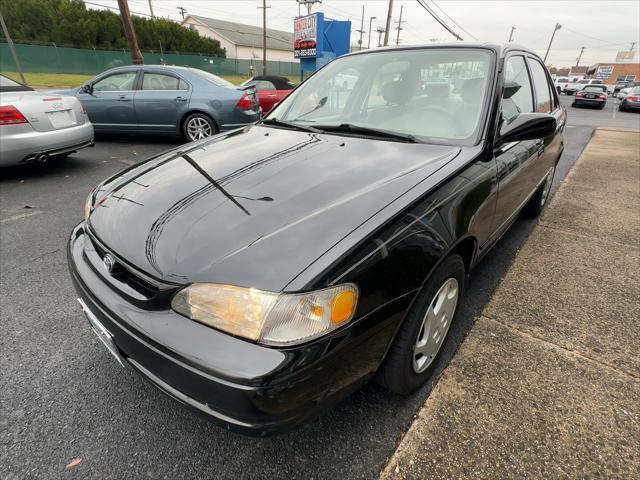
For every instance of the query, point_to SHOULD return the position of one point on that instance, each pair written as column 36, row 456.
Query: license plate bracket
column 102, row 333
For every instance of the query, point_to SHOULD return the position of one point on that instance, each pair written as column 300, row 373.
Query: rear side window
column 541, row 86
column 518, row 97
column 160, row 81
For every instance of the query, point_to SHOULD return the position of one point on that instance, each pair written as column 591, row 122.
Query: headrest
column 397, row 92
column 471, row 90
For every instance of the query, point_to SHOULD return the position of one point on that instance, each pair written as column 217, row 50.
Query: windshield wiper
column 295, row 126
column 373, row 132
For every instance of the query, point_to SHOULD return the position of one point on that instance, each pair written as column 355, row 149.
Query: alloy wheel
column 435, row 325
column 198, row 128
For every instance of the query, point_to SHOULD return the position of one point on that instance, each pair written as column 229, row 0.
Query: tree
column 70, row 23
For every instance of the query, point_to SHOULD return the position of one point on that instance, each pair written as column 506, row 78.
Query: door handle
column 180, row 99
column 124, row 99
column 541, row 149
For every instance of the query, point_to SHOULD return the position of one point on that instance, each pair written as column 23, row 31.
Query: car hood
column 256, row 206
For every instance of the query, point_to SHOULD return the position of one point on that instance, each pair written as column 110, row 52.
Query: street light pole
column 555, row 29
column 361, row 31
column 511, row 34
column 371, row 19
column 579, row 56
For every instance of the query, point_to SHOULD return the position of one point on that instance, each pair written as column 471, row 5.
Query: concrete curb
column 546, row 384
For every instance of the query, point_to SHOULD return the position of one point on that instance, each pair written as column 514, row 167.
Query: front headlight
column 277, row 319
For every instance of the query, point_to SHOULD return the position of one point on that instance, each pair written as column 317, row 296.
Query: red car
column 271, row 90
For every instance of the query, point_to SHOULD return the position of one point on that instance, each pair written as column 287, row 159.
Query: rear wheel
column 413, row 354
column 539, row 200
column 197, row 126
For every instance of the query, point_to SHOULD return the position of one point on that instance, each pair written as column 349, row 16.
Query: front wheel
column 413, row 354
column 198, row 126
column 539, row 200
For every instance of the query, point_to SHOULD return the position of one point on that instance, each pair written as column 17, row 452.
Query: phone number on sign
column 305, row 52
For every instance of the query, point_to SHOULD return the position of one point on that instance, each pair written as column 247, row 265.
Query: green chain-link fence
column 53, row 59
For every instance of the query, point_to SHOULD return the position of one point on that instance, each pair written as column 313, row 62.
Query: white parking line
column 20, row 216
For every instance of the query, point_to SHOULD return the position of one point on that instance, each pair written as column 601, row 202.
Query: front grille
column 126, row 279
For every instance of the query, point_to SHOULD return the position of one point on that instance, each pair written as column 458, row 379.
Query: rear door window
column 541, row 86
column 161, row 81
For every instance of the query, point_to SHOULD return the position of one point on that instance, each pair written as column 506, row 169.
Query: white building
column 244, row 41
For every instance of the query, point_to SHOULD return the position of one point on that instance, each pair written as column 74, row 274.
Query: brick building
column 612, row 73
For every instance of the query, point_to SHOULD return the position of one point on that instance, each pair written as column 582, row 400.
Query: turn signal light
column 10, row 115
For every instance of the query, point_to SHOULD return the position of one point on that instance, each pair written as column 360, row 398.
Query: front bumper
column 21, row 143
column 240, row 385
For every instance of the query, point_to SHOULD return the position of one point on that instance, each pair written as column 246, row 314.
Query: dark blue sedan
column 166, row 100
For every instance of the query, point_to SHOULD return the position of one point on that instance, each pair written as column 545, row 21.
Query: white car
column 625, row 91
column 561, row 84
column 573, row 87
column 35, row 126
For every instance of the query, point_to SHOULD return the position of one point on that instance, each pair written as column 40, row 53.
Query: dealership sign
column 604, row 72
column 305, row 36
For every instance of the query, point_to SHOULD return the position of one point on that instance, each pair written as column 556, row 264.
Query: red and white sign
column 305, row 35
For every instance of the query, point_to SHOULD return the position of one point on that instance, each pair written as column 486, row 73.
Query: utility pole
column 511, row 34
column 579, row 56
column 153, row 17
column 371, row 19
column 399, row 27
column 380, row 31
column 130, row 33
column 12, row 48
column 361, row 31
column 309, row 4
column 555, row 29
column 388, row 25
column 182, row 11
column 633, row 44
column 264, row 36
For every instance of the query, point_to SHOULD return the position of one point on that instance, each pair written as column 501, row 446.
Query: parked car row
column 181, row 101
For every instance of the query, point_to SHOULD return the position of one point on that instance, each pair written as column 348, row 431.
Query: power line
column 438, row 19
column 454, row 22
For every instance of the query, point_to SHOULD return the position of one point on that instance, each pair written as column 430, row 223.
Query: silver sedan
column 35, row 126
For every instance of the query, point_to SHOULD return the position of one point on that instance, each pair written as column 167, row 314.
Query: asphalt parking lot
column 63, row 397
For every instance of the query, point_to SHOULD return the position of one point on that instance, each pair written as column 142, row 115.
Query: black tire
column 209, row 126
column 559, row 90
column 574, row 104
column 397, row 371
column 602, row 106
column 539, row 201
column 621, row 108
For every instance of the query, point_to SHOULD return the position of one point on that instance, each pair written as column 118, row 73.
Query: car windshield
column 431, row 95
column 211, row 78
column 563, row 80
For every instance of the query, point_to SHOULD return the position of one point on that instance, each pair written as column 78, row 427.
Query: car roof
column 501, row 49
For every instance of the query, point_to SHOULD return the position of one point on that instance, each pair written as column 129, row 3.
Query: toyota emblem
column 109, row 262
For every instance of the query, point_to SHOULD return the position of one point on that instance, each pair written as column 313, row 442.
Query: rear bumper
column 590, row 101
column 245, row 387
column 626, row 104
column 20, row 143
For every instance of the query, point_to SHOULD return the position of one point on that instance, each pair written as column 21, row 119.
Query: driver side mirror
column 87, row 88
column 527, row 126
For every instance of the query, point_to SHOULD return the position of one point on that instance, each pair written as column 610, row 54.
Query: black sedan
column 592, row 96
column 631, row 101
column 261, row 275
